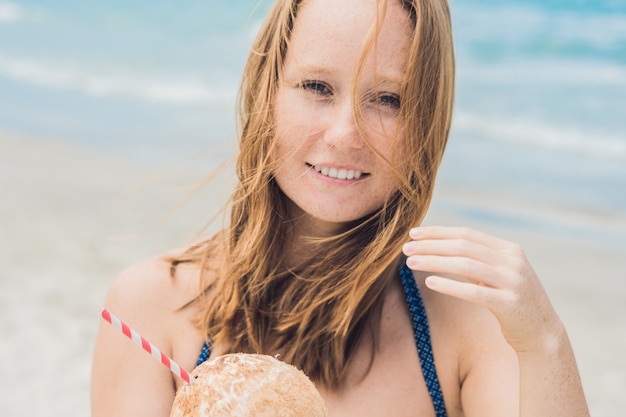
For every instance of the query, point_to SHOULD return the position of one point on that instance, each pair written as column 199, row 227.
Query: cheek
column 383, row 130
column 297, row 111
column 399, row 154
column 283, row 130
column 397, row 144
column 295, row 126
column 393, row 162
column 391, row 147
column 283, row 118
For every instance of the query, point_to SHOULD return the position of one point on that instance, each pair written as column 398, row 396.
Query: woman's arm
column 125, row 380
column 496, row 274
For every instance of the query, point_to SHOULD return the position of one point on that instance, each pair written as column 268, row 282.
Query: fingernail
column 406, row 248
column 431, row 282
column 412, row 262
column 415, row 232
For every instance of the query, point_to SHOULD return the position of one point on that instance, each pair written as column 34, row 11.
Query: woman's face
column 324, row 165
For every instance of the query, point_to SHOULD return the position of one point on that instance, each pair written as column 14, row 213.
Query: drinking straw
column 146, row 345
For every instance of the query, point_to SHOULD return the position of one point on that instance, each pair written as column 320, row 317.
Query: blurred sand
column 66, row 229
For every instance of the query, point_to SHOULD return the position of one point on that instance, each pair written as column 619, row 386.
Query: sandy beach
column 71, row 218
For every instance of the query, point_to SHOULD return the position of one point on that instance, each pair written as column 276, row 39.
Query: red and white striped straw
column 145, row 345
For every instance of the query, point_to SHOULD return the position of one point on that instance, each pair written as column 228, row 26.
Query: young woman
column 345, row 111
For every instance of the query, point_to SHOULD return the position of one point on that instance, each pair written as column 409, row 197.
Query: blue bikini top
column 421, row 332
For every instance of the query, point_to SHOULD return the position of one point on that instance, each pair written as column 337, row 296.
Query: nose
column 341, row 129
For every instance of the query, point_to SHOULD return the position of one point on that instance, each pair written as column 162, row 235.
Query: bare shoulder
column 154, row 300
column 153, row 285
column 471, row 353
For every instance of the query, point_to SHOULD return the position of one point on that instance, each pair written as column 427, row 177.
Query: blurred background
column 95, row 97
column 541, row 93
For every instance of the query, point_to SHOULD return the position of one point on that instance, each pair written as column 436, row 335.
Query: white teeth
column 341, row 174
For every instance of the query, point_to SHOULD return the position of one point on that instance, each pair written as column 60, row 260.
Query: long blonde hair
column 316, row 312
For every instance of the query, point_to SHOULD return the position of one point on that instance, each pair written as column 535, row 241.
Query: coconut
column 248, row 385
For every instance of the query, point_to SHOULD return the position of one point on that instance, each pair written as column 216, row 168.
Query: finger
column 472, row 293
column 471, row 269
column 465, row 233
column 454, row 247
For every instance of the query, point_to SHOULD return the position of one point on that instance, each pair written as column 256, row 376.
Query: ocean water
column 540, row 107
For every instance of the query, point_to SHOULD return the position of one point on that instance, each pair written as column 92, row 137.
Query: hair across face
column 331, row 89
column 336, row 113
column 426, row 85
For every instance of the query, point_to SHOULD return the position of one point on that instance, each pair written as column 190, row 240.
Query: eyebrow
column 311, row 70
column 382, row 80
column 389, row 81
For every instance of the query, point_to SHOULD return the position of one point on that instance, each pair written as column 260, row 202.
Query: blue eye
column 389, row 100
column 316, row 87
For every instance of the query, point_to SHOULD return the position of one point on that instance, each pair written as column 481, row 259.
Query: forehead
column 333, row 33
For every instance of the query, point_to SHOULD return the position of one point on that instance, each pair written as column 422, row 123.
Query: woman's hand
column 485, row 270
column 495, row 273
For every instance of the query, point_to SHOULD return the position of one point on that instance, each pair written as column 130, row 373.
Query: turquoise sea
column 541, row 87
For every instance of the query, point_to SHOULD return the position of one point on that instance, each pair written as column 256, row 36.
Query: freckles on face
column 329, row 163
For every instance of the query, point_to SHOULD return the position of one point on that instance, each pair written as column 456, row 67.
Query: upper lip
column 338, row 166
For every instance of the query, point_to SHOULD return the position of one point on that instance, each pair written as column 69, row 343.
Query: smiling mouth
column 339, row 173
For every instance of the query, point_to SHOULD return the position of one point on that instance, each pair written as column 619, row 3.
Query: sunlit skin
column 314, row 113
column 499, row 347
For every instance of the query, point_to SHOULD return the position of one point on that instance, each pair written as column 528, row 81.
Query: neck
column 304, row 232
